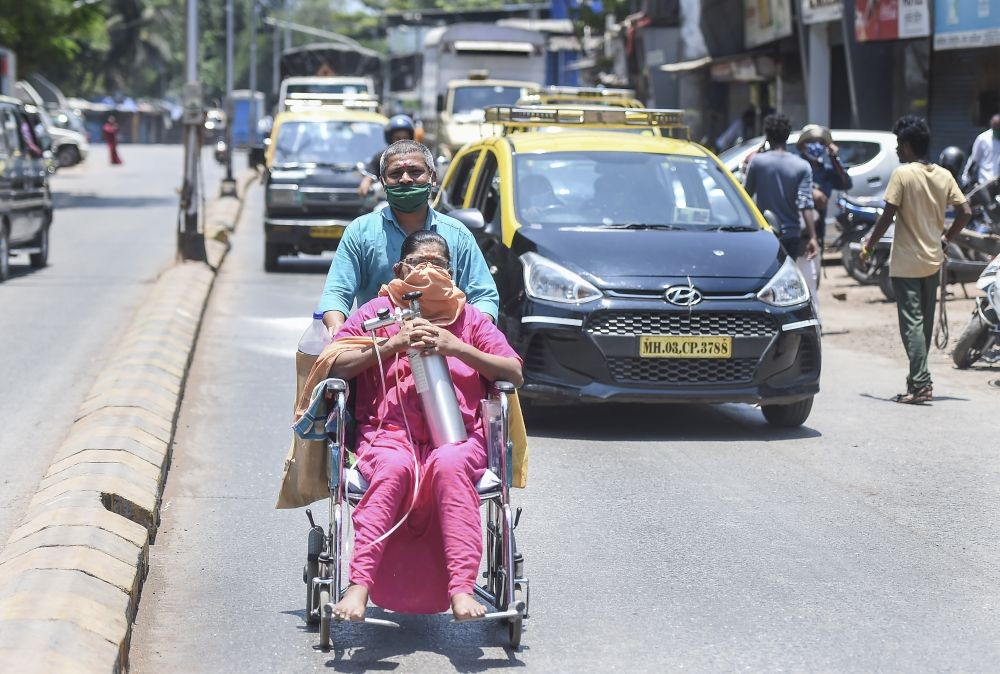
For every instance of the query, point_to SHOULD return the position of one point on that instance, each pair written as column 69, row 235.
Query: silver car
column 870, row 157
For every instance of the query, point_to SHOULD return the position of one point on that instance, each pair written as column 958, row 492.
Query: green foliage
column 43, row 32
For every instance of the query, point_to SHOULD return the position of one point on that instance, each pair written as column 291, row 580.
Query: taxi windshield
column 327, row 142
column 627, row 190
column 474, row 98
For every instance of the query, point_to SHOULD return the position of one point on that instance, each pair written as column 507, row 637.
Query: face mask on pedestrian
column 815, row 150
column 441, row 301
column 407, row 198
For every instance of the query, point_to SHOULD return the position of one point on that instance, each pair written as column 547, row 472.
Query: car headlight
column 545, row 280
column 786, row 288
column 283, row 195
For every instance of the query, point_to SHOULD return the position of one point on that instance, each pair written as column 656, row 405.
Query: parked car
column 25, row 199
column 870, row 157
column 68, row 146
column 634, row 268
column 312, row 178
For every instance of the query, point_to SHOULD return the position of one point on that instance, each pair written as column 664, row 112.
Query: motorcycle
column 980, row 341
column 856, row 218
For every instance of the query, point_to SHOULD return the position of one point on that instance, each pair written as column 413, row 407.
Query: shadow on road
column 370, row 647
column 80, row 200
column 21, row 268
column 620, row 421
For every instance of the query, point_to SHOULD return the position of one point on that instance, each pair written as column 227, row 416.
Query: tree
column 47, row 32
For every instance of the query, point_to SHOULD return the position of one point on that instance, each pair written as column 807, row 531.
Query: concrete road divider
column 71, row 574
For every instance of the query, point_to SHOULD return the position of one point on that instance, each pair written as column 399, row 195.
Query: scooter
column 856, row 218
column 980, row 341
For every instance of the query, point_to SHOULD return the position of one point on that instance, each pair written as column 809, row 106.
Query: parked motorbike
column 980, row 341
column 856, row 218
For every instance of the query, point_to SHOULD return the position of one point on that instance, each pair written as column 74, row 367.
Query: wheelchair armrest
column 504, row 387
column 336, row 385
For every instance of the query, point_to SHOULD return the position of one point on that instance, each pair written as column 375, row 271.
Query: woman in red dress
column 110, row 133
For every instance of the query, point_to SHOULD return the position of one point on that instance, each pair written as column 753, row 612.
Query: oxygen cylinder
column 437, row 393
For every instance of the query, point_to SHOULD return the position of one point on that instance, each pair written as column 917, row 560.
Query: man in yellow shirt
column 917, row 196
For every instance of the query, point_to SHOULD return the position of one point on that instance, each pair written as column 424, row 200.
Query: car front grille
column 744, row 324
column 653, row 371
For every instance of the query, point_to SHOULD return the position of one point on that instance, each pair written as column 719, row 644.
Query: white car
column 870, row 157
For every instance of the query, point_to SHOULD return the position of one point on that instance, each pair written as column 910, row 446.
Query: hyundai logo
column 683, row 296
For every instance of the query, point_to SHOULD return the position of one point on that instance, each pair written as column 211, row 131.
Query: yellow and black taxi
column 312, row 177
column 634, row 267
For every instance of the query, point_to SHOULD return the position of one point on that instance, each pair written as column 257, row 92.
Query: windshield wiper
column 640, row 225
column 732, row 228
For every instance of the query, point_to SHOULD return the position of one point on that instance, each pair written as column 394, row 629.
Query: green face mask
column 408, row 198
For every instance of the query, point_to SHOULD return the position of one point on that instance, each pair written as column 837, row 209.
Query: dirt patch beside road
column 859, row 318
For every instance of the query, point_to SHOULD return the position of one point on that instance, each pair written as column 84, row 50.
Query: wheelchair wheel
column 324, row 619
column 310, row 571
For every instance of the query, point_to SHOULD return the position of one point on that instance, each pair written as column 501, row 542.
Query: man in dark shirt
column 781, row 182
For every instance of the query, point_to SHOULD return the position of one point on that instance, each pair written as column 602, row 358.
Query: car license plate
column 334, row 232
column 684, row 346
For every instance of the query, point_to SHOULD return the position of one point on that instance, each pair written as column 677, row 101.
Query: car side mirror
column 472, row 218
column 772, row 220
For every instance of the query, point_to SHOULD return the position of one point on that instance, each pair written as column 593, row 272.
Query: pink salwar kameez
column 436, row 552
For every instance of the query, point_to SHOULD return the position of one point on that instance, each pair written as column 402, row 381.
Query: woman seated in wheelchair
column 431, row 561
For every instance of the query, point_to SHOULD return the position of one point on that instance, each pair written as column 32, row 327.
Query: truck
column 351, row 66
column 469, row 66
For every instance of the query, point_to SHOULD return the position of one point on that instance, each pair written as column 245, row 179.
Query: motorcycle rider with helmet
column 400, row 127
column 953, row 159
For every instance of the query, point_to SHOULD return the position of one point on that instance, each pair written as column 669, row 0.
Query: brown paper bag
column 307, row 467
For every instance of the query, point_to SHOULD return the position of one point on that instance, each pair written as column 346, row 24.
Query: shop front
column 965, row 81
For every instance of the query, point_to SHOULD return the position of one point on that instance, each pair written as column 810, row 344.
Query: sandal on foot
column 923, row 394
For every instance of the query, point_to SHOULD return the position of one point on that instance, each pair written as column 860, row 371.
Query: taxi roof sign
column 586, row 92
column 314, row 100
column 515, row 117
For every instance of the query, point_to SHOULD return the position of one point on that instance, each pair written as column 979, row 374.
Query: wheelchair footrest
column 498, row 615
column 367, row 621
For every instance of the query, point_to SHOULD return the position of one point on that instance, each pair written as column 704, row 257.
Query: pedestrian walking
column 110, row 133
column 917, row 196
column 984, row 162
column 781, row 182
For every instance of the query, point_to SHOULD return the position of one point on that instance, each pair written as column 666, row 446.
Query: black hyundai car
column 635, row 268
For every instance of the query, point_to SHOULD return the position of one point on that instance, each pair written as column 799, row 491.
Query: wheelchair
column 504, row 587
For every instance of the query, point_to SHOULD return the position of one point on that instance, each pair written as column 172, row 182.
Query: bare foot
column 465, row 607
column 352, row 606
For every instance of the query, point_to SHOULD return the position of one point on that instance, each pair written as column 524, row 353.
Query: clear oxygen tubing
column 413, row 451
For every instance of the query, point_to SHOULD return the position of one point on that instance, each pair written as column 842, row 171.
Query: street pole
column 252, row 140
column 288, row 29
column 229, row 184
column 190, row 240
column 275, row 57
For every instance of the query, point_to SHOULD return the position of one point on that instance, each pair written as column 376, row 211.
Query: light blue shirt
column 370, row 247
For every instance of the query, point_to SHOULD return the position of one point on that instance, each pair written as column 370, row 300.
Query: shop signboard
column 766, row 21
column 821, row 11
column 876, row 20
column 962, row 24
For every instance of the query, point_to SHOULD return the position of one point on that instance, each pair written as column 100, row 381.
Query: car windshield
column 627, row 189
column 474, row 98
column 343, row 88
column 318, row 142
